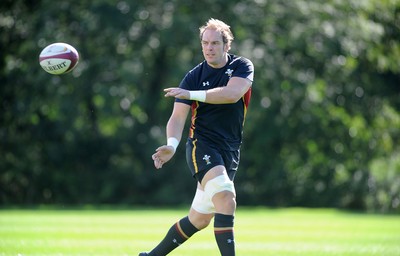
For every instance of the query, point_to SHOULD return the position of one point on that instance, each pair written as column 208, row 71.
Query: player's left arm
column 231, row 93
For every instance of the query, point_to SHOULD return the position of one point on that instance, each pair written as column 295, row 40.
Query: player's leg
column 202, row 209
column 176, row 235
column 184, row 228
column 207, row 164
column 218, row 186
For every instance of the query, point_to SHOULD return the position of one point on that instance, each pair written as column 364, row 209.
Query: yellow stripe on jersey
column 244, row 111
column 195, row 105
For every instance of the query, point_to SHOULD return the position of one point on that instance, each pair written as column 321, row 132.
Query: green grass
column 259, row 231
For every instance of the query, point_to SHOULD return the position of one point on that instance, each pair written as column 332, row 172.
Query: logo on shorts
column 207, row 159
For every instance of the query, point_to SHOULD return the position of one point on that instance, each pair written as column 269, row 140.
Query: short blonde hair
column 220, row 26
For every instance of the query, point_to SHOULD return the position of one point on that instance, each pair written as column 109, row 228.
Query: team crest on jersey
column 229, row 72
column 207, row 159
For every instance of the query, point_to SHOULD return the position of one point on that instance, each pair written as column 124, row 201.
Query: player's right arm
column 175, row 126
column 177, row 121
column 229, row 94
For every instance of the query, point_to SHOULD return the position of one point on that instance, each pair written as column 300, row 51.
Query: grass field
column 259, row 231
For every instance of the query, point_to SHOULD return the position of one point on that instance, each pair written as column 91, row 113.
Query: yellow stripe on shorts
column 196, row 168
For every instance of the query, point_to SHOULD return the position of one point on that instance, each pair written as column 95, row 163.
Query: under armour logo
column 230, row 241
column 175, row 241
column 207, row 159
column 229, row 72
column 206, row 83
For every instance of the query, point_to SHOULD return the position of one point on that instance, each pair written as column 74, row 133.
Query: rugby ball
column 58, row 58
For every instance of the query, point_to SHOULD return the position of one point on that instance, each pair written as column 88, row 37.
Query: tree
column 321, row 130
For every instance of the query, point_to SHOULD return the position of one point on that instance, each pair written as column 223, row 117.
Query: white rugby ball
column 58, row 58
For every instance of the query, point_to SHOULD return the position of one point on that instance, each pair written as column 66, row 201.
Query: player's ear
column 227, row 47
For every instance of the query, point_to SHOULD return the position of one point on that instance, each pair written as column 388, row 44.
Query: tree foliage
column 322, row 130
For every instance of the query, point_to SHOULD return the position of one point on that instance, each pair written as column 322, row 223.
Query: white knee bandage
column 219, row 184
column 202, row 201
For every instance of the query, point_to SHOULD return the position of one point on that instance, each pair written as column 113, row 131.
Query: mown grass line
column 258, row 231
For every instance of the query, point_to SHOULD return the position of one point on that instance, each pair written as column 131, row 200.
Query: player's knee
column 200, row 221
column 224, row 201
column 222, row 191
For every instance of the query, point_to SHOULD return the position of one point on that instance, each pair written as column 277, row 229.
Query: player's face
column 214, row 49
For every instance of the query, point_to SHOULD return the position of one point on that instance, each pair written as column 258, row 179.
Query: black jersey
column 218, row 124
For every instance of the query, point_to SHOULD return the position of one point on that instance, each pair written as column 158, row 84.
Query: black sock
column 177, row 234
column 223, row 230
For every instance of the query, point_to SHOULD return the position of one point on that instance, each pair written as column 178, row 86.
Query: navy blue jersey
column 221, row 125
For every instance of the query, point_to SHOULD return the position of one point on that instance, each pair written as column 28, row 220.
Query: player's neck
column 220, row 64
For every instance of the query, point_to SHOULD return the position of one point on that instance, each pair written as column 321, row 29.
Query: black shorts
column 201, row 157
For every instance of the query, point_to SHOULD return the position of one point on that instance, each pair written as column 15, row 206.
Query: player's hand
column 162, row 155
column 177, row 93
